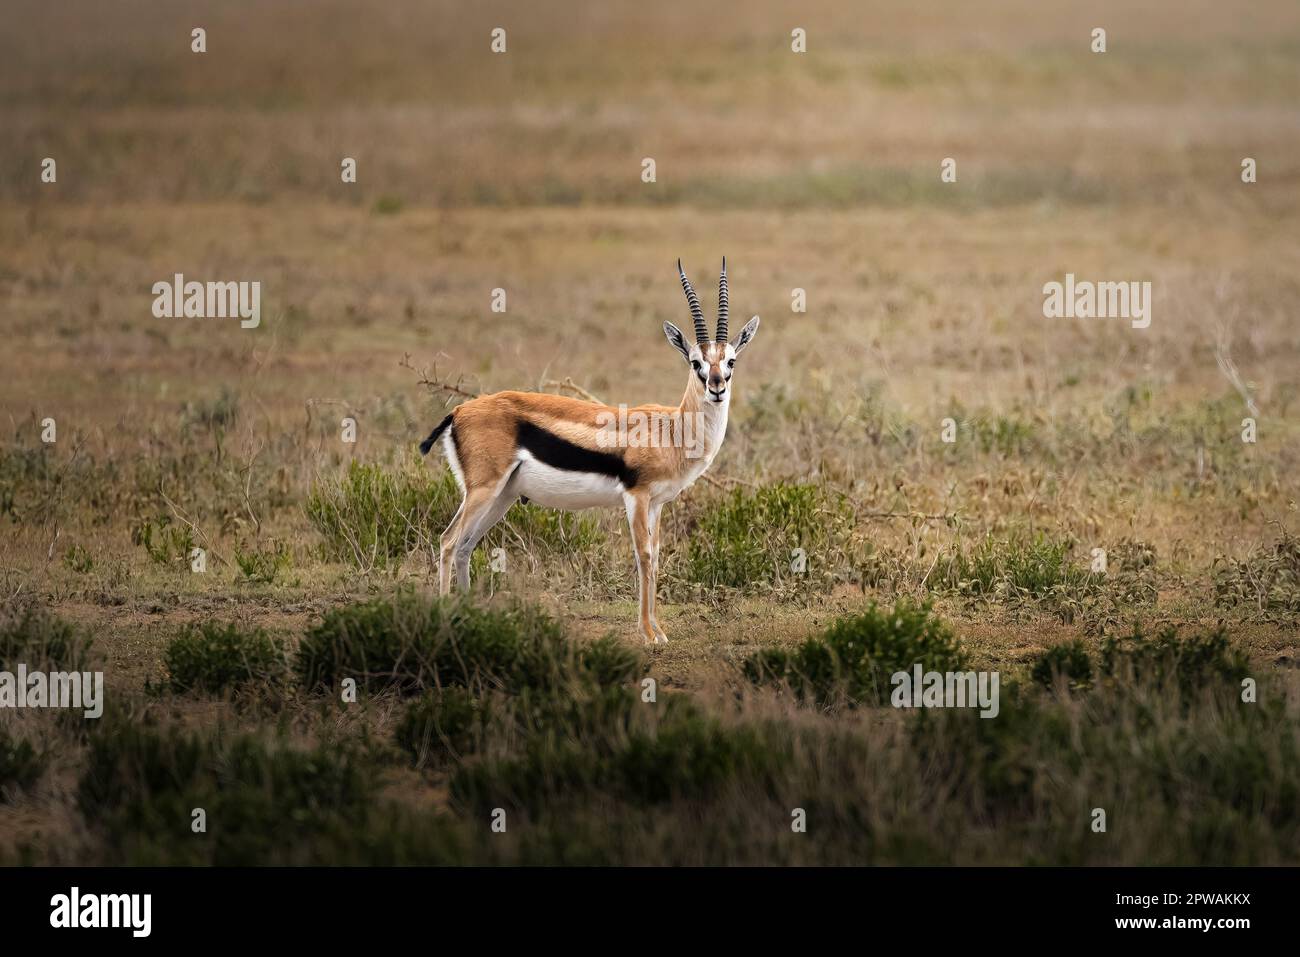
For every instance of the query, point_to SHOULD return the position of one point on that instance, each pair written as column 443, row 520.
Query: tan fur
column 485, row 430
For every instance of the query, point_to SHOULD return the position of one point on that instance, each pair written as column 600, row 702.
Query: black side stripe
column 560, row 453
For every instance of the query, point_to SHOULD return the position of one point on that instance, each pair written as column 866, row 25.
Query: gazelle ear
column 678, row 340
column 746, row 334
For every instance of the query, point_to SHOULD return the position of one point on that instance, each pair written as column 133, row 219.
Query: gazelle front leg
column 638, row 520
column 660, row 637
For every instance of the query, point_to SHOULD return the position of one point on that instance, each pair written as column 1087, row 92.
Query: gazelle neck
column 711, row 416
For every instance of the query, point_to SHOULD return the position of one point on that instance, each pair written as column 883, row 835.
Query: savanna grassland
column 522, row 171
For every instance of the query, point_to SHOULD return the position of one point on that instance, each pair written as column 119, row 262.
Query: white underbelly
column 561, row 488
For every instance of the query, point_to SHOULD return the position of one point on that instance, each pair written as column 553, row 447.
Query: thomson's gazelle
column 565, row 453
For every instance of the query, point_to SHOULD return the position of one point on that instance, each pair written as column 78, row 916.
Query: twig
column 434, row 383
column 723, row 481
column 568, row 384
column 937, row 553
column 1222, row 349
column 922, row 515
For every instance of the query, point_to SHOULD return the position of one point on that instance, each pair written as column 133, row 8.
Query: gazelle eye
column 731, row 363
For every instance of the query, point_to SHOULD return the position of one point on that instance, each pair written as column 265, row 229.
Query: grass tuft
column 411, row 643
column 775, row 535
column 373, row 517
column 213, row 657
column 853, row 660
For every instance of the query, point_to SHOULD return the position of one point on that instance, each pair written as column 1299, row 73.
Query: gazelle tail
column 427, row 444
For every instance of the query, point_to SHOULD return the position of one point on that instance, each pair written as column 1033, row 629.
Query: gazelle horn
column 724, row 303
column 701, row 329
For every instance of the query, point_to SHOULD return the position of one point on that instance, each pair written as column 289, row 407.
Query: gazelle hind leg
column 477, row 501
column 488, row 510
column 447, row 548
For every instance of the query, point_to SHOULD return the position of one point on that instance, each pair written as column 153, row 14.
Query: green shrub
column 164, row 542
column 266, row 801
column 372, row 516
column 31, row 636
column 263, row 564
column 748, row 538
column 213, row 657
column 854, row 659
column 1006, row 436
column 413, row 643
column 1217, row 783
column 1016, row 567
column 20, row 764
column 1195, row 662
column 77, row 559
column 1268, row 579
column 548, row 531
column 609, row 661
column 609, row 747
column 445, row 724
column 1069, row 661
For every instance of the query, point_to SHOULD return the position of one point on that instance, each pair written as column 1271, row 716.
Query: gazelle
column 565, row 453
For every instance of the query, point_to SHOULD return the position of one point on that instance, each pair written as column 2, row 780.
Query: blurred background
column 523, row 170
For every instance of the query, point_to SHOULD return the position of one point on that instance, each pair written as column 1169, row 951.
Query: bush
column 1192, row 663
column 214, row 657
column 20, row 764
column 263, row 564
column 1017, row 567
column 1268, row 579
column 266, row 800
column 412, row 643
column 165, row 542
column 443, row 725
column 77, row 559
column 1214, row 784
column 748, row 538
column 854, row 659
column 549, row 531
column 372, row 517
column 612, row 746
column 31, row 636
column 1069, row 661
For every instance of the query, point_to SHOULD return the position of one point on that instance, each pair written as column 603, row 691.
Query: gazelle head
column 711, row 361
